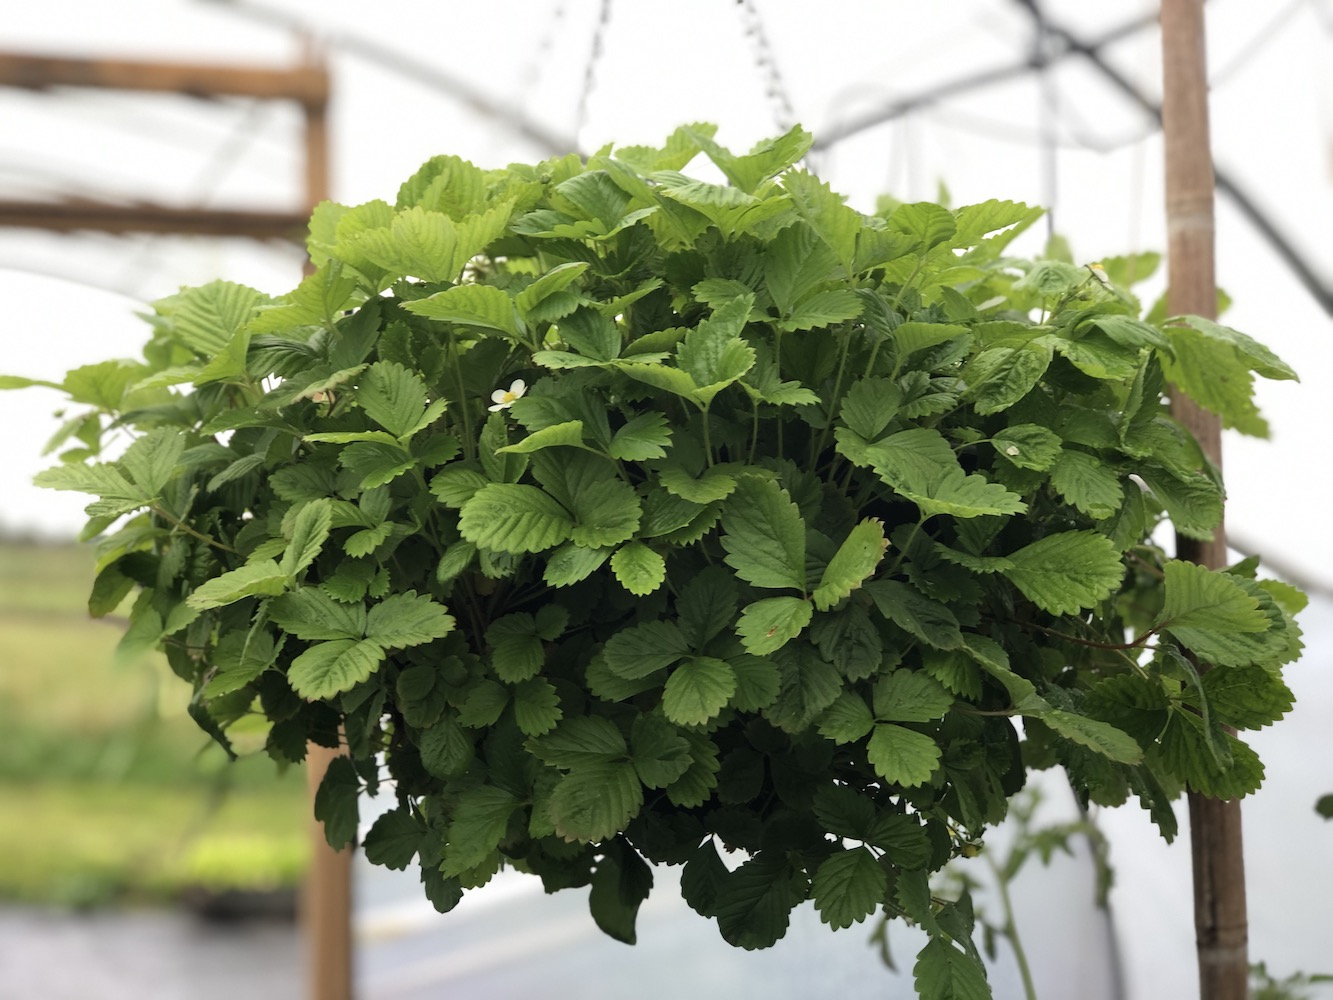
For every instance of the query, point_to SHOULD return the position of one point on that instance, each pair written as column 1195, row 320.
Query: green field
column 109, row 790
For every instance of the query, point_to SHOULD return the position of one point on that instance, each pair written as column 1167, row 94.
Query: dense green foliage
column 622, row 517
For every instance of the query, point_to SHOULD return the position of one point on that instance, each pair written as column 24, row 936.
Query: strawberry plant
column 619, row 518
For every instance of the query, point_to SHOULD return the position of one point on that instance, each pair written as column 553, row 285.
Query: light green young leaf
column 407, row 619
column 767, row 159
column 644, row 437
column 713, row 353
column 1068, row 571
column 510, row 517
column 1198, row 599
column 118, row 495
column 1028, row 446
column 698, row 690
column 638, row 568
column 316, row 301
column 569, row 434
column 764, row 535
column 392, row 396
column 472, row 305
column 768, row 625
column 920, row 465
column 848, row 887
column 902, row 756
column 857, row 557
column 309, row 533
column 712, row 485
column 330, row 668
column 208, row 318
column 260, row 579
column 1088, row 484
column 927, row 224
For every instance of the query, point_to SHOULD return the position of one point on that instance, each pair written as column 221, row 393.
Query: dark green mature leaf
column 902, row 756
column 1028, row 446
column 636, row 652
column 754, row 904
column 393, row 839
column 848, row 887
column 620, row 883
column 1067, row 572
column 510, row 517
column 660, row 754
column 910, row 696
column 478, row 823
column 1088, row 484
column 942, row 972
column 764, row 535
column 697, row 690
column 407, row 619
column 336, row 802
column 1200, row 600
column 906, row 607
column 596, row 801
column 312, row 613
column 1246, row 697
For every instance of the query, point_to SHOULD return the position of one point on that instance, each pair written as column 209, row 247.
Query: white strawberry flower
column 505, row 398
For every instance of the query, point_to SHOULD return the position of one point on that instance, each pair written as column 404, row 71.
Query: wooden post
column 1220, row 922
column 327, row 901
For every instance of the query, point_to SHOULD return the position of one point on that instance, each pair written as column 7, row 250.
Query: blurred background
column 130, row 848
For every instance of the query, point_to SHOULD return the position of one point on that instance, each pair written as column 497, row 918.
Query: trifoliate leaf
column 1099, row 736
column 768, row 625
column 260, row 579
column 309, row 533
column 536, row 706
column 568, row 433
column 1198, row 599
column 912, row 611
column 1028, row 446
column 920, row 464
column 596, row 801
column 313, row 613
column 856, row 558
column 644, row 437
column 910, row 696
column 330, row 668
column 1067, row 572
column 393, row 839
column 848, row 886
column 638, row 568
column 764, row 535
column 942, row 972
column 637, row 651
column 1088, row 484
column 510, row 517
column 698, row 690
column 407, row 619
column 902, row 756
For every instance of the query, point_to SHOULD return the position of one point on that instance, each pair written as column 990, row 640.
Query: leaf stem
column 177, row 523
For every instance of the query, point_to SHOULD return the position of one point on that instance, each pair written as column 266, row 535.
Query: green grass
column 111, row 792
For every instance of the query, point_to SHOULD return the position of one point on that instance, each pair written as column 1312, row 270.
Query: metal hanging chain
column 590, row 69
column 774, row 87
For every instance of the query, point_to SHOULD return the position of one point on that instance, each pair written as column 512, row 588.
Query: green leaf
column 869, row 406
column 1028, row 446
column 1186, row 754
column 516, row 649
column 640, row 650
column 910, row 696
column 596, row 802
column 571, row 563
column 711, row 486
column 930, row 621
column 316, row 301
column 643, row 437
column 769, row 158
column 376, row 463
column 479, row 821
column 848, row 887
column 698, row 690
column 330, row 668
column 975, row 222
column 1246, row 697
column 758, row 683
column 902, row 756
column 260, row 579
column 920, row 465
column 942, row 972
column 660, row 754
column 1067, row 572
column 713, row 353
column 768, row 625
column 568, row 433
column 336, row 802
column 445, row 748
column 1198, row 601
column 471, row 305
column 764, row 536
column 754, row 904
column 151, row 461
column 927, row 224
column 1000, row 377
column 822, row 309
column 118, row 494
column 912, row 336
column 638, row 568
column 591, row 334
column 703, row 879
column 392, row 396
column 509, row 517
column 580, row 741
column 706, row 606
column 809, row 685
column 208, row 318
column 428, row 245
column 1099, row 736
column 455, row 486
column 620, row 883
column 313, row 613
column 407, row 619
column 555, row 280
column 606, row 513
column 846, row 720
column 1088, row 484
column 310, row 531
column 393, row 839
column 856, row 558
column 536, row 706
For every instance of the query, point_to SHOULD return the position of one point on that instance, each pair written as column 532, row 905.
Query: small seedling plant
column 617, row 518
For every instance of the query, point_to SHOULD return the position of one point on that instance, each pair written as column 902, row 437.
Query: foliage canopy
column 620, row 517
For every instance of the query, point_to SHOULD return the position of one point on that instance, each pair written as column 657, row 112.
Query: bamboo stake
column 1220, row 922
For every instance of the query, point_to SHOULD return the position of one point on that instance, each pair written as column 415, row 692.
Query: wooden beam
column 66, row 217
column 307, row 84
